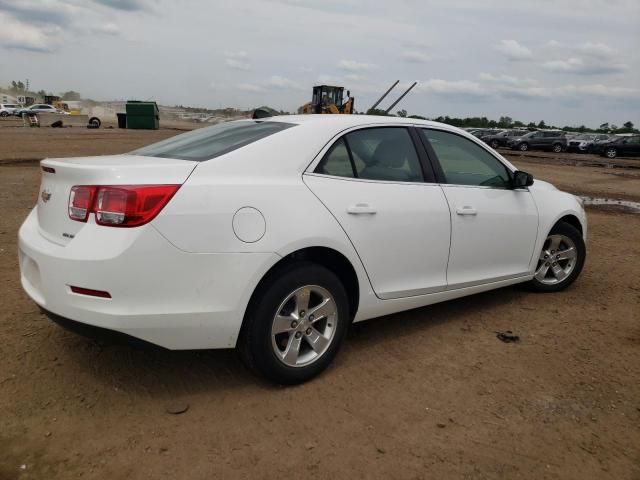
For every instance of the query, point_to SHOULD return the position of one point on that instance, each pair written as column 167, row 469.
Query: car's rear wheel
column 295, row 323
column 523, row 147
column 610, row 152
column 561, row 259
column 494, row 144
column 557, row 147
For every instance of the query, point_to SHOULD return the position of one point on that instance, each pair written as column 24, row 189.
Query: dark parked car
column 500, row 139
column 584, row 143
column 481, row 132
column 619, row 146
column 554, row 140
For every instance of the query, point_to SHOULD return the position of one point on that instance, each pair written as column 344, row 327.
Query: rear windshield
column 210, row 142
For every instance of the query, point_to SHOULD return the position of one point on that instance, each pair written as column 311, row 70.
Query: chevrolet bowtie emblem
column 45, row 195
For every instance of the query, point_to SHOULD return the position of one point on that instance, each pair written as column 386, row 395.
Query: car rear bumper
column 159, row 293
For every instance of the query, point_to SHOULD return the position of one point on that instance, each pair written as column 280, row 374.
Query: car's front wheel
column 610, row 152
column 561, row 259
column 295, row 323
column 557, row 147
column 4, row 114
column 523, row 147
column 494, row 144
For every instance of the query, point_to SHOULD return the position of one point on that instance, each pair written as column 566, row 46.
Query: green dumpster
column 142, row 115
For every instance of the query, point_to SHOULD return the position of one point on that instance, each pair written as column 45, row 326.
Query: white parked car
column 274, row 235
column 41, row 108
column 7, row 109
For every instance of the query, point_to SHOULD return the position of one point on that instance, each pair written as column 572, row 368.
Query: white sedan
column 40, row 108
column 274, row 235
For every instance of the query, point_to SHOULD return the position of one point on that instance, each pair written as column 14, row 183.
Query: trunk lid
column 60, row 174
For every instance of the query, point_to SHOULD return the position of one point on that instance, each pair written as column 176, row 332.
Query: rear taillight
column 80, row 202
column 119, row 205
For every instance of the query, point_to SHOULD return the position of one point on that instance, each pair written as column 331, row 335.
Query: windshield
column 530, row 134
column 210, row 142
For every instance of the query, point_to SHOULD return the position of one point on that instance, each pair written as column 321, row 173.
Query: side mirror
column 522, row 179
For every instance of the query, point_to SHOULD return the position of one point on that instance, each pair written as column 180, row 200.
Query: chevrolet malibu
column 273, row 235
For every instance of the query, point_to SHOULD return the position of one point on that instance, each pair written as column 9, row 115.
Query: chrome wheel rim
column 611, row 153
column 304, row 326
column 557, row 149
column 523, row 147
column 557, row 260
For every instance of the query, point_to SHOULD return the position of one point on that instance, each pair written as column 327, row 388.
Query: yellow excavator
column 328, row 99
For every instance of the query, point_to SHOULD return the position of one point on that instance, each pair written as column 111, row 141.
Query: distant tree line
column 508, row 122
column 20, row 88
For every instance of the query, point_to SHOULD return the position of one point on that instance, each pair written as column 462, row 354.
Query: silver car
column 7, row 109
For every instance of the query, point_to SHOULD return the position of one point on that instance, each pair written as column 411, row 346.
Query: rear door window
column 381, row 153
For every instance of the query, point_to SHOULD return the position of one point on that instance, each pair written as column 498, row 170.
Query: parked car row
column 7, row 109
column 558, row 141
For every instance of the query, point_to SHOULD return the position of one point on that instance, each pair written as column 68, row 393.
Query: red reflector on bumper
column 90, row 292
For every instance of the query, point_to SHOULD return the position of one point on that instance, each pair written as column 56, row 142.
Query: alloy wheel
column 610, row 153
column 524, row 147
column 304, row 326
column 557, row 260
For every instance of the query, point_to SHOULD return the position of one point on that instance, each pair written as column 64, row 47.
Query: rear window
column 210, row 142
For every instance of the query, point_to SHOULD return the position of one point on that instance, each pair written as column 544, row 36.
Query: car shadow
column 148, row 369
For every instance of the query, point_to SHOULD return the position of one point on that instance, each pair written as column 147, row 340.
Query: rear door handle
column 466, row 210
column 361, row 209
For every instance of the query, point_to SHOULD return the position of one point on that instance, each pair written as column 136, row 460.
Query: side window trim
column 346, row 144
column 438, row 167
column 433, row 158
column 426, row 164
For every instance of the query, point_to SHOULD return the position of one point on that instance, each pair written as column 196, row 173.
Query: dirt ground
column 429, row 393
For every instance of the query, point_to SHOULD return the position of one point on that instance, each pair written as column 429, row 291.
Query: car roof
column 347, row 121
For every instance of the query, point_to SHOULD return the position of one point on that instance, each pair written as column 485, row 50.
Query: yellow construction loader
column 328, row 99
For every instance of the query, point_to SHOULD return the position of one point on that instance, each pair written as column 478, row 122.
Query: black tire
column 494, row 144
column 94, row 122
column 568, row 230
column 556, row 148
column 523, row 147
column 610, row 152
column 4, row 114
column 255, row 343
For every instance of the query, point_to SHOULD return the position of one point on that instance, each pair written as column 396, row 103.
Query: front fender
column 554, row 205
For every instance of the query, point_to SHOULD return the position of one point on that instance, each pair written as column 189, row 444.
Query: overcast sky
column 565, row 61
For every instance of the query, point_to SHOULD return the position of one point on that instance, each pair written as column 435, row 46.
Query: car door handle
column 360, row 209
column 466, row 210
